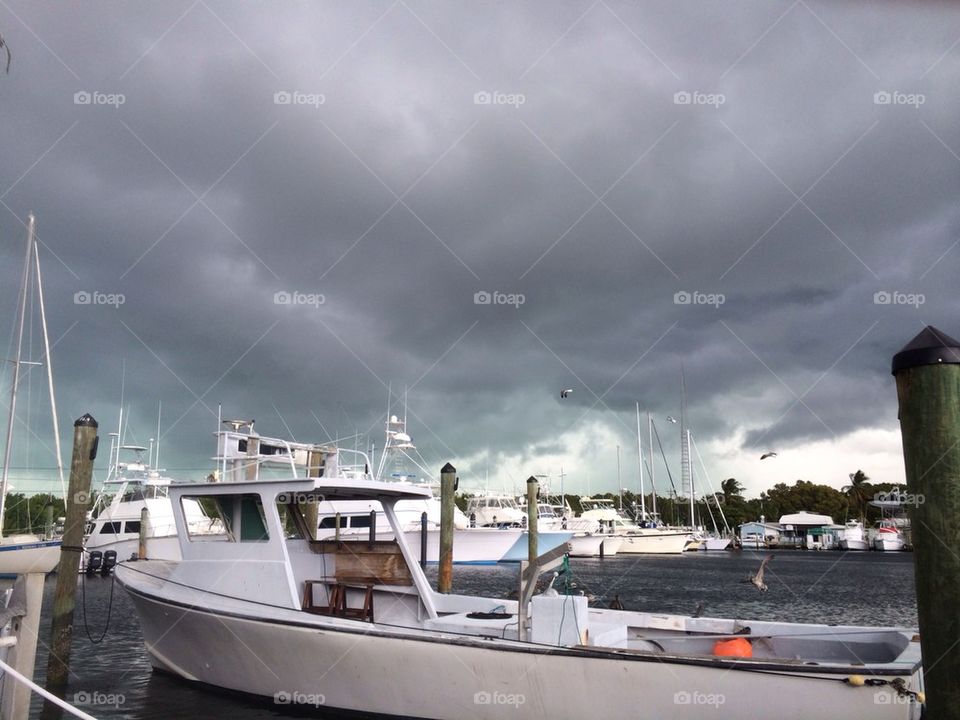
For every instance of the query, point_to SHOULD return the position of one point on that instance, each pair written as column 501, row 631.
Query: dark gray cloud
column 786, row 184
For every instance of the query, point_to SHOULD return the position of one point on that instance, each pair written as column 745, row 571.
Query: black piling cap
column 930, row 347
column 531, row 479
column 448, row 468
column 86, row 420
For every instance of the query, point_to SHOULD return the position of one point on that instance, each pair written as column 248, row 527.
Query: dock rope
column 86, row 625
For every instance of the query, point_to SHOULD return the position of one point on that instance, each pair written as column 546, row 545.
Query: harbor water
column 114, row 679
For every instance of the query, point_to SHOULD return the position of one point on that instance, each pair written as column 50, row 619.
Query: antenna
column 643, row 506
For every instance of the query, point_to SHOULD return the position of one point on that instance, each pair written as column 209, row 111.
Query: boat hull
column 888, row 544
column 367, row 669
column 20, row 555
column 856, row 545
column 654, row 544
column 546, row 541
column 585, row 545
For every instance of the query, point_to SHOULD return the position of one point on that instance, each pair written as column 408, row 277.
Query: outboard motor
column 109, row 562
column 94, row 562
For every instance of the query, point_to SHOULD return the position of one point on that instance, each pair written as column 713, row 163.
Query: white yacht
column 492, row 510
column 635, row 540
column 853, row 537
column 353, row 625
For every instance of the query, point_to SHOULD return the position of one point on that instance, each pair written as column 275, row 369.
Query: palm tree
column 731, row 488
column 858, row 491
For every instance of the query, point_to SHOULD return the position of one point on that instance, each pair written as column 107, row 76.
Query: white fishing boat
column 715, row 542
column 854, row 537
column 328, row 626
column 888, row 537
column 28, row 553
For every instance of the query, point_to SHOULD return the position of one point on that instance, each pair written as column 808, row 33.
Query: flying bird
column 757, row 580
column 768, row 454
column 671, row 419
column 565, row 393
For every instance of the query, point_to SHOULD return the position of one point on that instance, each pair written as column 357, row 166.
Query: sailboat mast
column 619, row 481
column 16, row 370
column 156, row 457
column 653, row 484
column 643, row 504
column 46, row 349
column 686, row 446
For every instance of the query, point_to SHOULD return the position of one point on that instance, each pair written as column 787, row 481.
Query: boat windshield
column 142, row 491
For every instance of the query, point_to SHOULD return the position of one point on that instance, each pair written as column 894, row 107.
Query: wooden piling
column 448, row 488
column 533, row 491
column 927, row 372
column 144, row 528
column 78, row 502
column 423, row 540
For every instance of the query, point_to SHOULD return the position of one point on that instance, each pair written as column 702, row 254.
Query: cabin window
column 110, row 528
column 132, row 526
column 329, row 523
column 360, row 521
column 241, row 516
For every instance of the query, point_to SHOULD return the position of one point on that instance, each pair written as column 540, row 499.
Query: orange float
column 734, row 647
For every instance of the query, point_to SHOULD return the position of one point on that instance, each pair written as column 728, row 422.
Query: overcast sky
column 380, row 164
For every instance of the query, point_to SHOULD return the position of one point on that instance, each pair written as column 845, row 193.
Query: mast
column 46, row 350
column 686, row 479
column 156, row 457
column 16, row 370
column 686, row 446
column 653, row 484
column 643, row 504
column 619, row 481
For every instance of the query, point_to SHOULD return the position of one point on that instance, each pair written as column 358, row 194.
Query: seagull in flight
column 768, row 454
column 671, row 419
column 757, row 580
column 565, row 393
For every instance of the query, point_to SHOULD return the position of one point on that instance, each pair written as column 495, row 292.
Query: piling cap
column 86, row 420
column 930, row 347
column 448, row 468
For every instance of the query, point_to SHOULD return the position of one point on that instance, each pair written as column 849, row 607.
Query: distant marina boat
column 888, row 537
column 853, row 537
column 634, row 540
column 353, row 625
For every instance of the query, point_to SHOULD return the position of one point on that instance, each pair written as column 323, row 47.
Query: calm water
column 832, row 587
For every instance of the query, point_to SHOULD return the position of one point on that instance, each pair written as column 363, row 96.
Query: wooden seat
column 337, row 600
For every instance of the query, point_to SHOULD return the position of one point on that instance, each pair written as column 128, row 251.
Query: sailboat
column 22, row 554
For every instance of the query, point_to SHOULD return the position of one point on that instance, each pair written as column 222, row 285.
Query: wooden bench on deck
column 358, row 564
